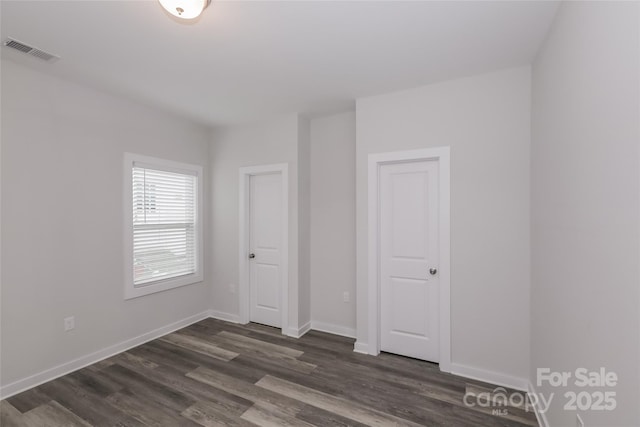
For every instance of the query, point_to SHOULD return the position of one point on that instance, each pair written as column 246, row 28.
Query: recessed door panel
column 410, row 307
column 267, row 287
column 407, row 208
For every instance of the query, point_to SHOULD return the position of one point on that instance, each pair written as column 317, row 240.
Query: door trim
column 243, row 254
column 442, row 155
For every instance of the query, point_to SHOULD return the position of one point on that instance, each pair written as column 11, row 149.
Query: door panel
column 267, row 286
column 265, row 219
column 409, row 315
column 408, row 208
column 408, row 296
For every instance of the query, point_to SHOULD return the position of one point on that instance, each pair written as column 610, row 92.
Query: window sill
column 131, row 291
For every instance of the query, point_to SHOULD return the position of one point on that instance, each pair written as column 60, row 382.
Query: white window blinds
column 164, row 224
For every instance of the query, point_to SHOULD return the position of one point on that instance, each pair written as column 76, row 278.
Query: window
column 163, row 225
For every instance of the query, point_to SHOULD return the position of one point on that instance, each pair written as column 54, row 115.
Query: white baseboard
column 79, row 363
column 360, row 347
column 491, row 377
column 227, row 317
column 333, row 329
column 298, row 332
column 540, row 416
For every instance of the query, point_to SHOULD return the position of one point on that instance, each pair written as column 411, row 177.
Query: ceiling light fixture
column 185, row 9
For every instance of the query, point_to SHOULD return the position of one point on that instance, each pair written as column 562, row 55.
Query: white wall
column 486, row 122
column 304, row 223
column 333, row 234
column 272, row 141
column 586, row 205
column 62, row 219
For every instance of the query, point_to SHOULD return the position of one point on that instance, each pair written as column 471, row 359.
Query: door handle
column 252, row 256
column 433, row 271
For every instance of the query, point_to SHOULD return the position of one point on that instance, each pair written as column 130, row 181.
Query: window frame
column 130, row 290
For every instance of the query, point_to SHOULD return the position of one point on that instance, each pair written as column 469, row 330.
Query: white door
column 409, row 300
column 265, row 221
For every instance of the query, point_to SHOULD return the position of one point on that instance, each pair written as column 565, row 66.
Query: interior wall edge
column 330, row 328
column 491, row 377
column 227, row 317
column 540, row 415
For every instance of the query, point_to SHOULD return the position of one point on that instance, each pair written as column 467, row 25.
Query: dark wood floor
column 215, row 373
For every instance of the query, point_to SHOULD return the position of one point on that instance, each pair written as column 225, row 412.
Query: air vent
column 30, row 50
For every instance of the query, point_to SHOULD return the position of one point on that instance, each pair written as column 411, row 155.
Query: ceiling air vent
column 30, row 50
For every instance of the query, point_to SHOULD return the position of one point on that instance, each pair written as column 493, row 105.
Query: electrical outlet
column 232, row 288
column 69, row 323
column 579, row 422
column 345, row 297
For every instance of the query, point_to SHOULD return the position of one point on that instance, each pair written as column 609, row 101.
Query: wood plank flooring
column 214, row 373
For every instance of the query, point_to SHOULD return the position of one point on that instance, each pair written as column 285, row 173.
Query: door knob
column 433, row 271
column 252, row 256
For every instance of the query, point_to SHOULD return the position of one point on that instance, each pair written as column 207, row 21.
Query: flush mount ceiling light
column 185, row 9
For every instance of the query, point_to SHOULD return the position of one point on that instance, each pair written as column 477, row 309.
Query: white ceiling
column 244, row 61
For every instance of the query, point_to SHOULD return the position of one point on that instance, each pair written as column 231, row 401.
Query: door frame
column 376, row 161
column 244, row 234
